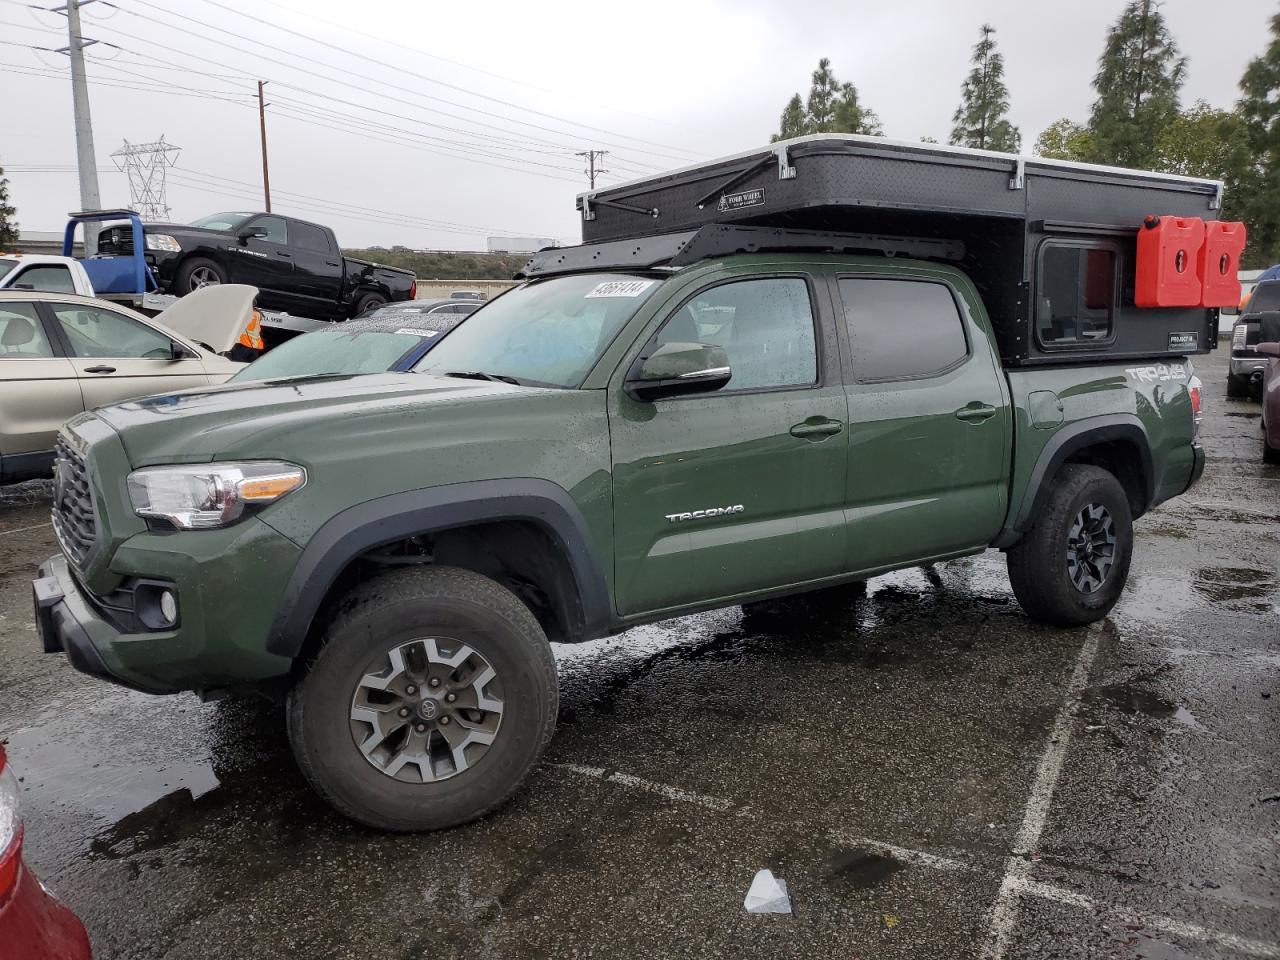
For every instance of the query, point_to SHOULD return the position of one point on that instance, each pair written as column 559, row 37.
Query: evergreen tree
column 980, row 121
column 1259, row 188
column 793, row 122
column 1064, row 140
column 1139, row 76
column 831, row 107
column 8, row 226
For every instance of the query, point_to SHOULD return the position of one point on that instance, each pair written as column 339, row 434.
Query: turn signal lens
column 266, row 489
column 1197, row 402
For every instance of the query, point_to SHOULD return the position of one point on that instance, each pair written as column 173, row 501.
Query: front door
column 265, row 262
column 929, row 421
column 721, row 494
column 117, row 357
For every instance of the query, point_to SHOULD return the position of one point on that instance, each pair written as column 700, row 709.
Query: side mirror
column 677, row 369
column 178, row 351
column 251, row 233
column 1268, row 349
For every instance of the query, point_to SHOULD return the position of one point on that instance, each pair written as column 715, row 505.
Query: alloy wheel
column 430, row 711
column 204, row 277
column 1091, row 548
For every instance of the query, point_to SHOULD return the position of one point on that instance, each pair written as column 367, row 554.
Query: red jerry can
column 1218, row 263
column 1167, row 252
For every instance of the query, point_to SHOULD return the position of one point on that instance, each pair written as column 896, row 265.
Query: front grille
column 73, row 518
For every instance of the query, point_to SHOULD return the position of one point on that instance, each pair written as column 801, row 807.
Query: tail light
column 413, row 290
column 1239, row 334
column 10, row 830
column 1197, row 399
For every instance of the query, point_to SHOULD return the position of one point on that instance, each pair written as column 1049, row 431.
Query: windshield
column 327, row 351
column 222, row 221
column 6, row 266
column 548, row 332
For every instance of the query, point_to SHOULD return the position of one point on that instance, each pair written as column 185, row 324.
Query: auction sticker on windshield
column 620, row 288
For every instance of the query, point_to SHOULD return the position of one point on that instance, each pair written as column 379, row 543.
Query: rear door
column 738, row 490
column 51, row 277
column 38, row 388
column 117, row 357
column 929, row 419
column 317, row 265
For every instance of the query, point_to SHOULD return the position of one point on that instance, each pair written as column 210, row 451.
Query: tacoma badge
column 703, row 514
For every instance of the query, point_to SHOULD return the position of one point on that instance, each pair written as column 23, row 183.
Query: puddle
column 1227, row 584
column 861, row 869
column 1242, row 413
column 1132, row 700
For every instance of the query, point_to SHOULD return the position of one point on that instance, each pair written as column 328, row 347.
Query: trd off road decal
column 1157, row 372
column 619, row 288
column 736, row 201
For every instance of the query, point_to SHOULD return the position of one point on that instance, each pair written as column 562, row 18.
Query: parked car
column 649, row 426
column 298, row 266
column 378, row 344
column 417, row 308
column 1245, row 369
column 1269, row 349
column 467, row 295
column 34, row 924
column 1271, row 273
column 22, row 271
column 61, row 354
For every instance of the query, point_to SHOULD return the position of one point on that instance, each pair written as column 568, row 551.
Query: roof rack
column 722, row 240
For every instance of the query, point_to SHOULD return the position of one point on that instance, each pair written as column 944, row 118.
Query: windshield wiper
column 481, row 375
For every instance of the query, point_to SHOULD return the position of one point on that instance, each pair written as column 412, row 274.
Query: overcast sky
column 379, row 125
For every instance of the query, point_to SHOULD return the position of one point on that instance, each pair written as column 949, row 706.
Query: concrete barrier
column 442, row 289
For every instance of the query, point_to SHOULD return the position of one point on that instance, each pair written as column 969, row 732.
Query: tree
column 1258, row 193
column 1203, row 142
column 980, row 121
column 831, row 107
column 1139, row 77
column 8, row 226
column 792, row 123
column 1064, row 140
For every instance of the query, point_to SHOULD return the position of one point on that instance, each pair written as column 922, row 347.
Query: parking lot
column 932, row 775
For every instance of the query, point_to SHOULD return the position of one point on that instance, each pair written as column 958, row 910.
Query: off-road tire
column 1237, row 387
column 1038, row 567
column 182, row 282
column 367, row 301
column 397, row 607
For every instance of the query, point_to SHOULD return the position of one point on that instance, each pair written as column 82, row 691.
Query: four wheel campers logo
column 736, row 201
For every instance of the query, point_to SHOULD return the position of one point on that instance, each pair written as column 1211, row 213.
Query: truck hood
column 243, row 420
column 213, row 316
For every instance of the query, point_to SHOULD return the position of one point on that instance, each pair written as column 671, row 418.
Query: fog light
column 168, row 606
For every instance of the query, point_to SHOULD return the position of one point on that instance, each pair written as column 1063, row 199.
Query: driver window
column 93, row 332
column 277, row 231
column 765, row 326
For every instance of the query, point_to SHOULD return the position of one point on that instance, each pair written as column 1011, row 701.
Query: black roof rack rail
column 722, row 240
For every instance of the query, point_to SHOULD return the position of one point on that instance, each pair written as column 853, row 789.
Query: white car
column 61, row 354
column 22, row 271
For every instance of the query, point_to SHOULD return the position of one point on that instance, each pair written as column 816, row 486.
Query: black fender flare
column 1067, row 441
column 384, row 520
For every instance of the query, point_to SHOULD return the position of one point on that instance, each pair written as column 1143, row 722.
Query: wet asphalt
column 932, row 775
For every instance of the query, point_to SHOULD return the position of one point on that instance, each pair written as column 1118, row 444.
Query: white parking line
column 662, row 789
column 1004, row 912
column 24, row 529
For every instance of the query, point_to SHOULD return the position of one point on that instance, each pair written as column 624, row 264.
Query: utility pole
column 86, row 159
column 146, row 166
column 592, row 170
column 262, row 125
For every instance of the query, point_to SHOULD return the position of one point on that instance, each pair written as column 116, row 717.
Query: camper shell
column 1010, row 222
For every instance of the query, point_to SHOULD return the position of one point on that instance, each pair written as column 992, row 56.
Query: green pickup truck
column 643, row 429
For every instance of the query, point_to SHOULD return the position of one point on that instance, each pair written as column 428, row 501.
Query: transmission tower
column 146, row 165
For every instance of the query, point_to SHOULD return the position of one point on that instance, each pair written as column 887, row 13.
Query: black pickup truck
column 297, row 266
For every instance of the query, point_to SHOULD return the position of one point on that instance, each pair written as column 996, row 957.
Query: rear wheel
column 1071, row 566
column 368, row 302
column 431, row 700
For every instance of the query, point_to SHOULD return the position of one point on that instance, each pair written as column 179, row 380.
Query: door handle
column 100, row 368
column 975, row 412
column 281, row 253
column 817, row 428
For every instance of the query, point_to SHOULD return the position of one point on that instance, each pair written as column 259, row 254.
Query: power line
column 146, row 166
column 592, row 170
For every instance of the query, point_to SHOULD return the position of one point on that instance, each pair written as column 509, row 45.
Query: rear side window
column 1075, row 293
column 901, row 329
column 21, row 333
column 54, row 278
column 310, row 237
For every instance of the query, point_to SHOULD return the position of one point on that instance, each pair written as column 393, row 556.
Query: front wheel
column 431, row 700
column 1071, row 566
column 197, row 273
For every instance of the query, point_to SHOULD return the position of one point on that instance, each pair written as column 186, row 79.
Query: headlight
column 162, row 241
column 200, row 496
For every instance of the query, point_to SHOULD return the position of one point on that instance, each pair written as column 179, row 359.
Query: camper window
column 1075, row 293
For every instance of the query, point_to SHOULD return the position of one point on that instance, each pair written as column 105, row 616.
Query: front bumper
column 228, row 583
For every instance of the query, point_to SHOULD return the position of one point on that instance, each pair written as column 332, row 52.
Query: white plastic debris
column 767, row 894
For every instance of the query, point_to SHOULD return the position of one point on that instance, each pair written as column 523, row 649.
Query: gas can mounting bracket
column 589, row 214
column 785, row 170
column 1018, row 179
